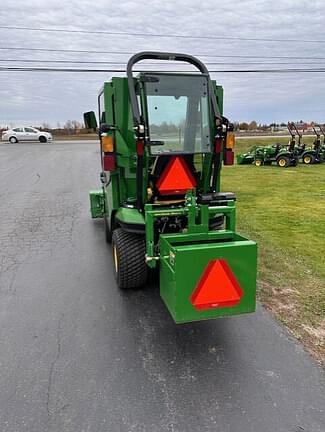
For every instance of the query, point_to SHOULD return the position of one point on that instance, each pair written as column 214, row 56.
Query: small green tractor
column 246, row 158
column 309, row 155
column 317, row 153
column 163, row 141
column 283, row 156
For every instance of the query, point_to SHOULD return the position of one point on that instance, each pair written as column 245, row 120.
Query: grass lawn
column 284, row 211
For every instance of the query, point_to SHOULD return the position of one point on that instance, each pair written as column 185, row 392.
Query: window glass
column 178, row 113
column 102, row 117
column 18, row 130
column 27, row 129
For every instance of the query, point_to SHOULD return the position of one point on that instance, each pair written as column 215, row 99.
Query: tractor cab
column 163, row 141
column 175, row 112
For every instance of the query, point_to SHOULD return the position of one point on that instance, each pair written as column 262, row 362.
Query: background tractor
column 163, row 140
column 246, row 158
column 282, row 155
column 316, row 154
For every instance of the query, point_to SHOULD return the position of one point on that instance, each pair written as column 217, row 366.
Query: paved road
column 78, row 355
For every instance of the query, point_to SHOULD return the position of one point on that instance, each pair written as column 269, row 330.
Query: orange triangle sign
column 217, row 287
column 176, row 178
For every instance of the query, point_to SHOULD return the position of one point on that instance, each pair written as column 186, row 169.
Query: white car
column 25, row 134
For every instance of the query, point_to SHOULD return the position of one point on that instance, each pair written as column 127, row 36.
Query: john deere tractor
column 283, row 156
column 246, row 158
column 316, row 154
column 163, row 140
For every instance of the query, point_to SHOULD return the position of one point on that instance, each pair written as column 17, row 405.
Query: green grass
column 284, row 211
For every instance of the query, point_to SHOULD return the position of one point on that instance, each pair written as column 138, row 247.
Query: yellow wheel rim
column 258, row 162
column 307, row 159
column 115, row 257
column 282, row 162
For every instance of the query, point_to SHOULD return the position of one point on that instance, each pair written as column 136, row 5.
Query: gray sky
column 37, row 97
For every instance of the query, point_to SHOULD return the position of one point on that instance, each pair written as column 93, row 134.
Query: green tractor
column 283, row 156
column 246, row 158
column 316, row 154
column 163, row 140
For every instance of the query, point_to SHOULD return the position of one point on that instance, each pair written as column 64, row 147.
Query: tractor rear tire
column 308, row 159
column 108, row 231
column 129, row 251
column 283, row 161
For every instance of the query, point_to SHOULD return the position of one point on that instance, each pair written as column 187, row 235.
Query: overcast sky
column 37, row 97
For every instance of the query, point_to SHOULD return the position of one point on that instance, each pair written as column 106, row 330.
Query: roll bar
column 152, row 55
column 293, row 126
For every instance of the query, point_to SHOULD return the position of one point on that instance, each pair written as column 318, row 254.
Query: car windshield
column 178, row 113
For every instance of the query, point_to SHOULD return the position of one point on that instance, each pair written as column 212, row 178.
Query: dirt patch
column 283, row 303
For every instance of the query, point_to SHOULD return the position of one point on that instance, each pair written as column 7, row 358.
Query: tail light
column 230, row 141
column 228, row 157
column 218, row 145
column 140, row 147
column 107, row 143
column 108, row 149
column 109, row 163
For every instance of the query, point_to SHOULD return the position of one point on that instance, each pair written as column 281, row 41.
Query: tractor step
column 97, row 207
column 222, row 282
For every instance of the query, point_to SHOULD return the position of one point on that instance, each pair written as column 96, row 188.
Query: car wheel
column 13, row 140
column 42, row 139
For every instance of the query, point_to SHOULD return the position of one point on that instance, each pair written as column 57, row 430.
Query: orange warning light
column 217, row 287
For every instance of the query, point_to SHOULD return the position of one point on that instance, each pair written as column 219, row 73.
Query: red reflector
column 228, row 158
column 140, row 147
column 109, row 162
column 176, row 178
column 217, row 287
column 218, row 145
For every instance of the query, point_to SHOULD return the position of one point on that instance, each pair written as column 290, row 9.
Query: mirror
column 90, row 120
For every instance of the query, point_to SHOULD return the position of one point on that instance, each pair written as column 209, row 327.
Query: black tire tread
column 131, row 249
column 108, row 231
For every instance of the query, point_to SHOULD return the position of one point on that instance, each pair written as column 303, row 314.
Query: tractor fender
column 130, row 219
column 286, row 154
column 309, row 152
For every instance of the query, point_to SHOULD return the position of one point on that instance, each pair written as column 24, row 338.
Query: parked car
column 25, row 134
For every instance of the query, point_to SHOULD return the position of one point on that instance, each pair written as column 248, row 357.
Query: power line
column 120, row 63
column 85, row 70
column 160, row 35
column 133, row 52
